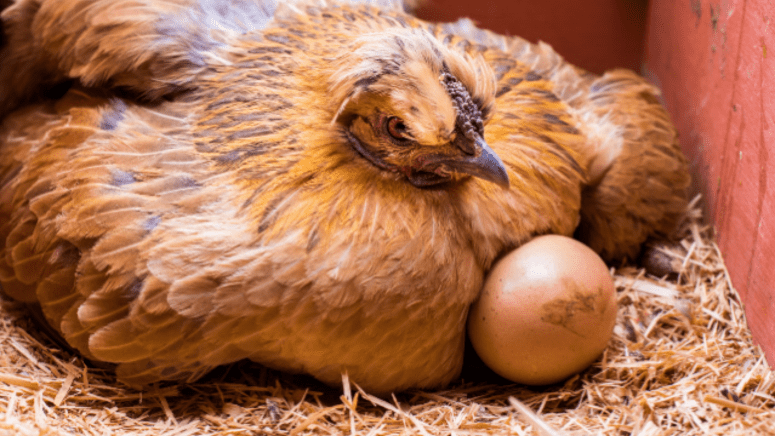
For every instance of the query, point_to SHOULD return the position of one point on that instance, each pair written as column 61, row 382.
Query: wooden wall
column 597, row 35
column 711, row 59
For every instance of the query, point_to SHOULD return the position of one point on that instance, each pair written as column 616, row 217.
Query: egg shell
column 546, row 312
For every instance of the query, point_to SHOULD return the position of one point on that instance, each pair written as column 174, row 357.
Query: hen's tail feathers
column 641, row 191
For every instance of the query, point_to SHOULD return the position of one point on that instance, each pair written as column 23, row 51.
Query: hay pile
column 681, row 362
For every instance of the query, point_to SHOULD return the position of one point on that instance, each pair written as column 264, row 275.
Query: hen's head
column 410, row 105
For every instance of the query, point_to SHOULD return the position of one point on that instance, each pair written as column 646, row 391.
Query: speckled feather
column 198, row 196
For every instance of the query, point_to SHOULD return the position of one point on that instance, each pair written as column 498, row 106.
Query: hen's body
column 248, row 207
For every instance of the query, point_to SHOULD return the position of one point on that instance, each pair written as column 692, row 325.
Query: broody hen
column 317, row 187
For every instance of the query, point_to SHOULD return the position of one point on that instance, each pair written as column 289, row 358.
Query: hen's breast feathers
column 237, row 221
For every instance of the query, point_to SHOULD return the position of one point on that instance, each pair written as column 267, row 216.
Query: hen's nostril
column 465, row 144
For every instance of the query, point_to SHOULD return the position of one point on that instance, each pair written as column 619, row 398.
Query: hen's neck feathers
column 311, row 80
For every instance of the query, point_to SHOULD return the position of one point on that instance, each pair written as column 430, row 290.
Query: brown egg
column 546, row 312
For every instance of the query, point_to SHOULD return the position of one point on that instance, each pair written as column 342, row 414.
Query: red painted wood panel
column 596, row 35
column 711, row 60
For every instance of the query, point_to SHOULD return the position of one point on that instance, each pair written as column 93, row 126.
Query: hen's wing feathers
column 82, row 214
column 152, row 47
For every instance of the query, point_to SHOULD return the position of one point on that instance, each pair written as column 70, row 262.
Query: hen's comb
column 469, row 117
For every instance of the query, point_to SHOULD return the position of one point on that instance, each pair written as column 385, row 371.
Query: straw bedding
column 681, row 362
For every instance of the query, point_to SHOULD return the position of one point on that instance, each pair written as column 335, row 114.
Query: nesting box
column 711, row 60
column 680, row 360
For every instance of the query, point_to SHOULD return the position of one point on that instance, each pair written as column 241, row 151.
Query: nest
column 681, row 362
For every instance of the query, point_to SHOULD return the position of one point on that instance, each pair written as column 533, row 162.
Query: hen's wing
column 151, row 47
column 84, row 186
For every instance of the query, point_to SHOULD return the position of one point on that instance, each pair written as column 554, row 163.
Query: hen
column 317, row 187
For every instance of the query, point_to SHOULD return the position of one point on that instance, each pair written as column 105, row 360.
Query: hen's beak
column 480, row 161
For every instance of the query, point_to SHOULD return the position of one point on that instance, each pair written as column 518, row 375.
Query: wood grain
column 596, row 35
column 711, row 60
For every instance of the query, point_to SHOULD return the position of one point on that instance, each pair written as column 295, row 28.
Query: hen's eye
column 397, row 129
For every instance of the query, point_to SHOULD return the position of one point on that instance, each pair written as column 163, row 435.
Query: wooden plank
column 596, row 35
column 711, row 60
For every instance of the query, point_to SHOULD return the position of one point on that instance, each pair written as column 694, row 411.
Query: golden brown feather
column 637, row 175
column 320, row 188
